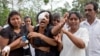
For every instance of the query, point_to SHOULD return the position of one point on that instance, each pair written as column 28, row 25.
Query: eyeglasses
column 88, row 9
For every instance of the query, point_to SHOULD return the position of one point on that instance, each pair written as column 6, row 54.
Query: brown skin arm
column 45, row 49
column 56, row 29
column 14, row 45
column 17, row 44
column 48, row 40
column 58, row 38
column 77, row 41
column 3, row 42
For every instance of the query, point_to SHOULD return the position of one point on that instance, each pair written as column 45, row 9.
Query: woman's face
column 28, row 21
column 73, row 21
column 44, row 21
column 15, row 20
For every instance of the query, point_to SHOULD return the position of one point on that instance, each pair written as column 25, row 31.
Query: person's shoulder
column 98, row 20
column 5, row 31
column 83, row 22
column 7, row 28
column 83, row 29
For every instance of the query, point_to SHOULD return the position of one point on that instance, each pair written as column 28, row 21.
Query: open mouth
column 42, row 22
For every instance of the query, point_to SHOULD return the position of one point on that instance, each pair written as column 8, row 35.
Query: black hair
column 26, row 17
column 95, row 5
column 12, row 13
column 50, row 16
column 76, row 13
column 56, row 16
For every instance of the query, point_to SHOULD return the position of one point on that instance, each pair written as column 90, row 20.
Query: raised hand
column 66, row 16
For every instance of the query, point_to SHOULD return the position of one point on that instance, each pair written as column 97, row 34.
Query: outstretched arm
column 57, row 29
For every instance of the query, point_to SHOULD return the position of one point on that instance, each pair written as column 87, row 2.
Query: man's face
column 89, row 11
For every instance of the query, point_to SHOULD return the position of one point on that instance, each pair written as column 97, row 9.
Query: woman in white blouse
column 75, row 38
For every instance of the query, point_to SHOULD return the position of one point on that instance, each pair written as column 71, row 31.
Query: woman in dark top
column 12, row 36
column 29, row 28
column 43, row 41
column 28, row 23
column 58, row 37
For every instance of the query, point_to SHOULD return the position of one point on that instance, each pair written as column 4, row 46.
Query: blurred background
column 32, row 7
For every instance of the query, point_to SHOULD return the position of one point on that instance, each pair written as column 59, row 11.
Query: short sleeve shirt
column 69, row 48
column 12, row 36
column 38, row 42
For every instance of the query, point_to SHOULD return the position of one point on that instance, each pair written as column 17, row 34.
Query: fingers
column 66, row 15
column 29, row 35
column 5, row 53
column 33, row 34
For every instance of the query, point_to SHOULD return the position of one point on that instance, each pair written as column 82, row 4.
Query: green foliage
column 78, row 5
column 31, row 11
column 4, row 10
column 3, row 16
column 62, row 10
column 46, row 1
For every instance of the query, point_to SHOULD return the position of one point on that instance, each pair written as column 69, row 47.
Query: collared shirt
column 93, row 48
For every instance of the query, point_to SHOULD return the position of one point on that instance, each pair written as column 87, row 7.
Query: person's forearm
column 60, row 46
column 15, row 44
column 77, row 41
column 56, row 29
column 3, row 42
column 48, row 40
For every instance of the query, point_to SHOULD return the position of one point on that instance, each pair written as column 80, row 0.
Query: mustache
column 87, row 15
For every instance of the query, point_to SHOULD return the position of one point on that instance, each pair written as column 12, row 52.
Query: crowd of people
column 53, row 35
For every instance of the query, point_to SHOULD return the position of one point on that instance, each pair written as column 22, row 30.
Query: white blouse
column 69, row 48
